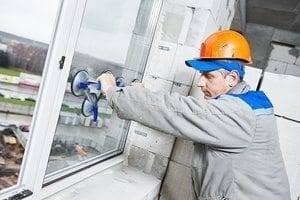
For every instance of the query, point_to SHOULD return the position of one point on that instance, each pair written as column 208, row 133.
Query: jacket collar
column 240, row 88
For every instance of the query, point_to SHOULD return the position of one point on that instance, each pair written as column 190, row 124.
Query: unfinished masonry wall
column 183, row 24
column 274, row 50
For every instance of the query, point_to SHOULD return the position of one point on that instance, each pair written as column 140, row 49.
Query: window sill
column 124, row 183
column 101, row 168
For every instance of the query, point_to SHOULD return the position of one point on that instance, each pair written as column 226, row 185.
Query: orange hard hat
column 226, row 44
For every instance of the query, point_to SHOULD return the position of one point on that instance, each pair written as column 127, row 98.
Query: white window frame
column 50, row 96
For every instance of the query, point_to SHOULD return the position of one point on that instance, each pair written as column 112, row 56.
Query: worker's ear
column 232, row 78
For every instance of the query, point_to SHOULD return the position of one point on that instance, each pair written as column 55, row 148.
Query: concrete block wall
column 284, row 59
column 288, row 120
column 182, row 27
column 274, row 50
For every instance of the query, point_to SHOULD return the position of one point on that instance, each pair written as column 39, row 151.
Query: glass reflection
column 22, row 57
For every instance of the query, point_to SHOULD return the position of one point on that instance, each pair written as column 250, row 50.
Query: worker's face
column 213, row 84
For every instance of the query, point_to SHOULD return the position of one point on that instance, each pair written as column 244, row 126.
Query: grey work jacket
column 237, row 154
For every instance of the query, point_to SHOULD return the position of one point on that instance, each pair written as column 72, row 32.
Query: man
column 237, row 154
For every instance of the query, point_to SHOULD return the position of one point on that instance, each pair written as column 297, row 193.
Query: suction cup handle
column 98, row 86
column 83, row 85
column 95, row 112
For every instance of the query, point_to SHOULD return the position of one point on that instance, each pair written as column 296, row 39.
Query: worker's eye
column 209, row 76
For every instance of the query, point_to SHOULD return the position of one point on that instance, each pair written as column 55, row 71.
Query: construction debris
column 11, row 155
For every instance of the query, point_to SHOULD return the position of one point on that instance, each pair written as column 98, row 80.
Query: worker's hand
column 137, row 85
column 107, row 81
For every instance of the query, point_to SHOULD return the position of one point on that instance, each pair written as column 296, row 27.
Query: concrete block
column 224, row 16
column 188, row 3
column 157, row 84
column 275, row 66
column 282, row 53
column 186, row 24
column 289, row 141
column 286, row 36
column 213, row 6
column 211, row 27
column 183, row 73
column 284, row 92
column 178, row 183
column 181, row 89
column 183, row 152
column 293, row 70
column 252, row 76
column 161, row 61
column 152, row 140
column 159, row 166
column 208, row 5
column 216, row 8
column 138, row 157
column 148, row 162
column 172, row 22
column 201, row 25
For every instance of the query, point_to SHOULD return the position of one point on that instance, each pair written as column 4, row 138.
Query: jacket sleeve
column 226, row 123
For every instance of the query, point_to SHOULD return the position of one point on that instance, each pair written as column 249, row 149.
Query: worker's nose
column 201, row 81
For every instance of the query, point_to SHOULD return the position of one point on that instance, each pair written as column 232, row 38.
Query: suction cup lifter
column 82, row 85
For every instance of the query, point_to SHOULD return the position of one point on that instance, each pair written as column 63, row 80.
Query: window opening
column 111, row 37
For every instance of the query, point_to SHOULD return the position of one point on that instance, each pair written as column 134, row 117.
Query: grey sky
column 105, row 33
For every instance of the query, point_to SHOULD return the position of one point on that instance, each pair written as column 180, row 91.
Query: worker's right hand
column 107, row 81
column 137, row 85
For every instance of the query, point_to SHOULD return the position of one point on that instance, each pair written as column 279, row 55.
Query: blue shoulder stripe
column 258, row 101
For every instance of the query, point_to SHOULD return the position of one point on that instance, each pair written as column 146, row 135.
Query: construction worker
column 236, row 148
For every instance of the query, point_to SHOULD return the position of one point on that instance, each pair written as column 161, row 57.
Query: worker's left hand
column 107, row 81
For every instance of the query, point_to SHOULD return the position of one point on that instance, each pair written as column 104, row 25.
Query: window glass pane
column 114, row 35
column 24, row 39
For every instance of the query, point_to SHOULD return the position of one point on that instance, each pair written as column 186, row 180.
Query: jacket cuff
column 112, row 93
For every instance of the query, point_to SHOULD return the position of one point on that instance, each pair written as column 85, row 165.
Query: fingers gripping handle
column 119, row 83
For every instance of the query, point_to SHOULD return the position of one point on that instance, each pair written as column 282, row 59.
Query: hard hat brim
column 212, row 65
